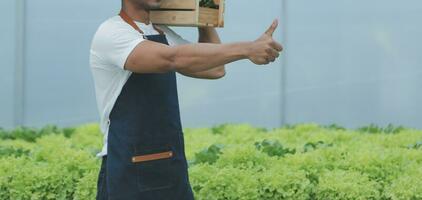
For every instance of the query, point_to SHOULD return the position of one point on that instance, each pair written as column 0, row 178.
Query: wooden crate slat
column 208, row 16
column 178, row 18
column 221, row 11
column 179, row 4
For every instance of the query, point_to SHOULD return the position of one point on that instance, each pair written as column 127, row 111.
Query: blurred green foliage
column 229, row 162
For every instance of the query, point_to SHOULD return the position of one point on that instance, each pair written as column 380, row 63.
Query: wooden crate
column 188, row 13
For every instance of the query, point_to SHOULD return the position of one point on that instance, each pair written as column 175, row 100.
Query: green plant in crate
column 208, row 4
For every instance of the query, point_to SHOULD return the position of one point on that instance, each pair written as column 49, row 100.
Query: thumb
column 272, row 28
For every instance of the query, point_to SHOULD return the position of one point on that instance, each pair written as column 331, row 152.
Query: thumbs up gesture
column 265, row 49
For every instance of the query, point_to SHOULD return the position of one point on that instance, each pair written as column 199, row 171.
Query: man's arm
column 153, row 57
column 207, row 35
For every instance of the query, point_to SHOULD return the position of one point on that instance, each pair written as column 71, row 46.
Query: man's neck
column 137, row 13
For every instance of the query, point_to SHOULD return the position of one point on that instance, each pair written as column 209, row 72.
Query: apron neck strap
column 132, row 23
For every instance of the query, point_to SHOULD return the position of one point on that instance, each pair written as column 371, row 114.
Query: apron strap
column 130, row 21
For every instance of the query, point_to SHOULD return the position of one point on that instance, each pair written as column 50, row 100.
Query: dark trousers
column 101, row 183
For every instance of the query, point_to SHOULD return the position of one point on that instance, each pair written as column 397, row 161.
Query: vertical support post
column 284, row 22
column 19, row 63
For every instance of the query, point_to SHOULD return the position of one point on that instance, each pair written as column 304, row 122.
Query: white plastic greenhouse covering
column 350, row 62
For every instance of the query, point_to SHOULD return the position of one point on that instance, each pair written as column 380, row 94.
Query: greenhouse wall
column 346, row 62
column 354, row 62
column 7, row 62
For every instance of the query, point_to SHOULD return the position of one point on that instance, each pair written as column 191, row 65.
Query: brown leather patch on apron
column 155, row 156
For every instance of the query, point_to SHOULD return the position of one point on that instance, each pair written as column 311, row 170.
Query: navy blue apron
column 146, row 156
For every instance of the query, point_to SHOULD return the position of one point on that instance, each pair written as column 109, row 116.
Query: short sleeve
column 113, row 44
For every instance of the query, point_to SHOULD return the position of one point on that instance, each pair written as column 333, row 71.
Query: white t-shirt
column 112, row 44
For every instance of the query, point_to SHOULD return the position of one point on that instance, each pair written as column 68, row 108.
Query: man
column 134, row 65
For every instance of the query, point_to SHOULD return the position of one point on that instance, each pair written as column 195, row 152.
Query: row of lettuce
column 229, row 162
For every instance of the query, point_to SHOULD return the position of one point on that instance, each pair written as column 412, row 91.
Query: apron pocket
column 155, row 167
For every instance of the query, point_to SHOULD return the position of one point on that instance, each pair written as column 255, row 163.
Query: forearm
column 204, row 56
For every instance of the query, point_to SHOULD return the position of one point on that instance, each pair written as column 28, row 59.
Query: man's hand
column 265, row 49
